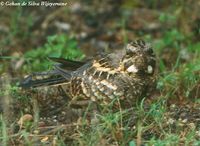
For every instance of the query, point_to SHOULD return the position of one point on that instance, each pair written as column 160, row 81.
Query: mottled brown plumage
column 106, row 77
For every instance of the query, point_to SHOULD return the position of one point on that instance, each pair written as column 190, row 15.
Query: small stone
column 63, row 113
column 45, row 139
column 36, row 131
column 184, row 121
column 198, row 133
column 172, row 106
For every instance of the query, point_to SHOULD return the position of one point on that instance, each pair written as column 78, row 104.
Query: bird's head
column 139, row 59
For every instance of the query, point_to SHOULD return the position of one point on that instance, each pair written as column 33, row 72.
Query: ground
column 28, row 35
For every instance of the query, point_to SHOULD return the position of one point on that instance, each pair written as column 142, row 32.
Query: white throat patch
column 132, row 69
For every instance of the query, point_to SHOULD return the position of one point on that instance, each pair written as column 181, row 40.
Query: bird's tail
column 44, row 79
column 61, row 74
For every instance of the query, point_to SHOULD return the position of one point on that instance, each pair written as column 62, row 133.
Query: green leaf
column 132, row 143
column 56, row 46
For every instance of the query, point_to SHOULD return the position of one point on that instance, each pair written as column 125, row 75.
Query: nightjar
column 123, row 78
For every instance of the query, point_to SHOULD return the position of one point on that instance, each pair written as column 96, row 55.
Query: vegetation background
column 30, row 34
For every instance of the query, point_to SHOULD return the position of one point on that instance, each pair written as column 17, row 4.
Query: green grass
column 3, row 130
column 56, row 46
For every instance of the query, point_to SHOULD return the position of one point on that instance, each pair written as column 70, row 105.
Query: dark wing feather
column 67, row 63
column 61, row 73
column 30, row 82
column 52, row 77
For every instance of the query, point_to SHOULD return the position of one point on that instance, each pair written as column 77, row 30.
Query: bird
column 121, row 79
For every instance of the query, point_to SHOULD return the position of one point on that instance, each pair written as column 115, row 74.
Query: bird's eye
column 149, row 69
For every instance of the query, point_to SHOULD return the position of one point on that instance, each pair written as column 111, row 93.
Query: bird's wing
column 65, row 69
column 67, row 63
